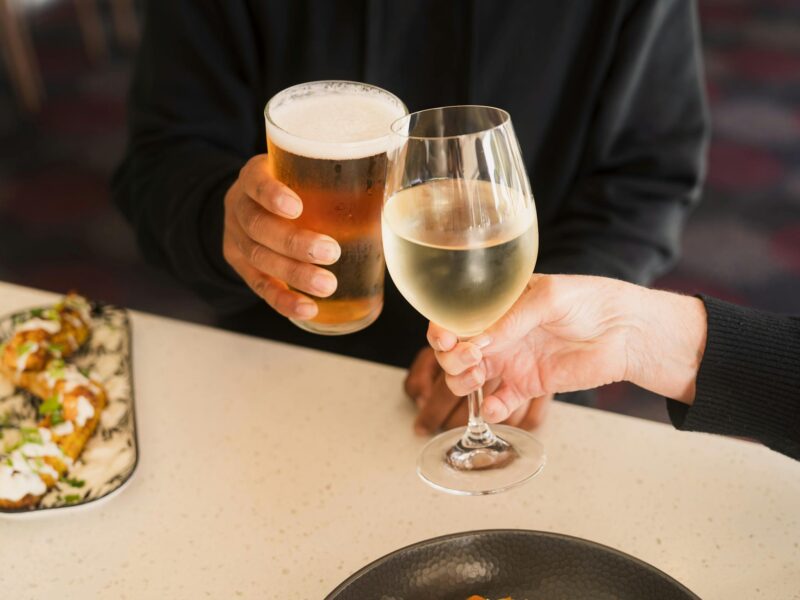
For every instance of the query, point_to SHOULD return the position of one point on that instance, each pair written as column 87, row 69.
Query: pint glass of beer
column 327, row 141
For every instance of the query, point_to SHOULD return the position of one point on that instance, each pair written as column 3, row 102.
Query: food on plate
column 482, row 598
column 70, row 402
column 30, row 464
column 55, row 332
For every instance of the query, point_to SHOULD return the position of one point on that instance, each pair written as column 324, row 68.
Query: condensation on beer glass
column 327, row 141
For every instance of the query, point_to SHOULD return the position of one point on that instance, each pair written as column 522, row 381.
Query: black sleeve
column 644, row 158
column 192, row 125
column 749, row 380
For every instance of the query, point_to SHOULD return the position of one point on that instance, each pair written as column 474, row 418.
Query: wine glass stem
column 478, row 433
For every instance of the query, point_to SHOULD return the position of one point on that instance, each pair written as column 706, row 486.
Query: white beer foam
column 335, row 125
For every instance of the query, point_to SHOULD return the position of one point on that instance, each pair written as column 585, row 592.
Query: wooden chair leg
column 94, row 38
column 126, row 25
column 20, row 58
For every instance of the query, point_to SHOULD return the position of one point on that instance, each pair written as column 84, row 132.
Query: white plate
column 111, row 455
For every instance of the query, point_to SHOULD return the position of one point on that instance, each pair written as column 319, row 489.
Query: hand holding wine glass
column 439, row 409
column 574, row 332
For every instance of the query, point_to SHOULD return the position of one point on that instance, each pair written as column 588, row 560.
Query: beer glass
column 461, row 239
column 327, row 141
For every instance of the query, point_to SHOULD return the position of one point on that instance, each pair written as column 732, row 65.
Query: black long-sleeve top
column 606, row 99
column 748, row 383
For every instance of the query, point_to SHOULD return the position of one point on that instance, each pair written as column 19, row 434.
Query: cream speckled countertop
column 272, row 471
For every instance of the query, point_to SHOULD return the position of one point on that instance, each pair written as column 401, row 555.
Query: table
column 268, row 470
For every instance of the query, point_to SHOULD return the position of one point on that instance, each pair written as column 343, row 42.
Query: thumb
column 536, row 306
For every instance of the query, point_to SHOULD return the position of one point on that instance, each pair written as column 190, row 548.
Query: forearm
column 173, row 196
column 194, row 121
column 734, row 371
column 666, row 338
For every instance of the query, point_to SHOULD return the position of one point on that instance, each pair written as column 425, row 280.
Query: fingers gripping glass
column 460, row 239
column 327, row 141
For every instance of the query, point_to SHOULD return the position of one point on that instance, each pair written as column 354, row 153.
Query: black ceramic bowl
column 526, row 565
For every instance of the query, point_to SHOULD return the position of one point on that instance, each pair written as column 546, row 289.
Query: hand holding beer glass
column 461, row 239
column 302, row 224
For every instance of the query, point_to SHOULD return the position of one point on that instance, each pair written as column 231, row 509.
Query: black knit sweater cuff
column 749, row 380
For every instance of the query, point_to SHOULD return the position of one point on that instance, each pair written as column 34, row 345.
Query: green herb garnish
column 55, row 349
column 49, row 406
column 77, row 483
column 24, row 348
column 72, row 498
column 9, row 462
column 31, row 435
column 56, row 369
column 37, row 312
column 84, row 372
column 50, row 314
column 57, row 418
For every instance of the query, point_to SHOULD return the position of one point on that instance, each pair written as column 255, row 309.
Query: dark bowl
column 526, row 565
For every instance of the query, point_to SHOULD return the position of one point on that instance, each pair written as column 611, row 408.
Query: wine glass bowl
column 460, row 238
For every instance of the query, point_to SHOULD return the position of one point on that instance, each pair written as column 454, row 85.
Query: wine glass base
column 449, row 467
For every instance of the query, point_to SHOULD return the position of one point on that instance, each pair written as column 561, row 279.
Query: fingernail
column 305, row 309
column 437, row 342
column 324, row 283
column 326, row 251
column 289, row 206
column 481, row 341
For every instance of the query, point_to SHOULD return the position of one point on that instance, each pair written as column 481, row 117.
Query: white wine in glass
column 460, row 238
column 463, row 279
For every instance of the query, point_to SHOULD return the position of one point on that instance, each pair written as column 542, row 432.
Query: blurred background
column 63, row 85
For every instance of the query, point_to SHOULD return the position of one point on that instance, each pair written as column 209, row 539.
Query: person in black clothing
column 726, row 369
column 606, row 98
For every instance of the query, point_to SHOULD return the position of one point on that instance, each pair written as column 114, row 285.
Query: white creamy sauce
column 15, row 485
column 74, row 378
column 23, row 475
column 85, row 411
column 63, row 429
column 44, row 324
column 76, row 322
column 22, row 359
column 81, row 305
column 47, row 448
column 71, row 377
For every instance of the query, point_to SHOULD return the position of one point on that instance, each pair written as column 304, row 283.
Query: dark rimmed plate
column 525, row 565
column 111, row 455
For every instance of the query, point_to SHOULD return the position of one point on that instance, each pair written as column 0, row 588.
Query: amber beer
column 327, row 141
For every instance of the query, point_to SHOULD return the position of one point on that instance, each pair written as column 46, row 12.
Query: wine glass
column 460, row 239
